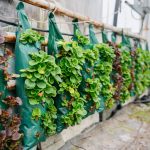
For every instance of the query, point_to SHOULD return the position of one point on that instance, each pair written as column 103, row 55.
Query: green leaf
column 33, row 62
column 36, row 113
column 71, row 90
column 41, row 84
column 41, row 70
column 33, row 101
column 57, row 78
column 29, row 84
column 51, row 90
column 37, row 75
column 73, row 79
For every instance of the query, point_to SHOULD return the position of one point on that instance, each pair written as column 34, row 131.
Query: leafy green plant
column 117, row 72
column 93, row 90
column 30, row 36
column 10, row 136
column 90, row 86
column 40, row 78
column 142, row 70
column 103, row 69
column 48, row 119
column 82, row 40
column 71, row 59
column 126, row 64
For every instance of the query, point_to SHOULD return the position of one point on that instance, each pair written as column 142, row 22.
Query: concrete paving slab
column 129, row 129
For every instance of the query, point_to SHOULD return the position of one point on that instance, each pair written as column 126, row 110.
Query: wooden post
column 50, row 6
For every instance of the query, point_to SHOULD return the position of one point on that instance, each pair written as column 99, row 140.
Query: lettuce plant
column 117, row 72
column 10, row 137
column 71, row 60
column 142, row 70
column 40, row 78
column 103, row 69
column 126, row 64
column 30, row 36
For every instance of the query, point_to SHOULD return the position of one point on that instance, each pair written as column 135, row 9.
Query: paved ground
column 129, row 129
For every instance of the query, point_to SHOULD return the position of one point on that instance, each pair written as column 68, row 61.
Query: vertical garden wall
column 59, row 86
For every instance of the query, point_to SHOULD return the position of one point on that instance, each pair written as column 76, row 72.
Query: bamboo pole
column 50, row 6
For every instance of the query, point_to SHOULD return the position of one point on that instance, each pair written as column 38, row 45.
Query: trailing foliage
column 40, row 78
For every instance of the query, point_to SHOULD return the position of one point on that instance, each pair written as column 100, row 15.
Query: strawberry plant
column 40, row 78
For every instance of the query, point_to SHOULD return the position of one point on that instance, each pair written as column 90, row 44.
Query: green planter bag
column 126, row 45
column 33, row 133
column 53, row 49
column 94, row 42
column 69, row 104
column 90, row 86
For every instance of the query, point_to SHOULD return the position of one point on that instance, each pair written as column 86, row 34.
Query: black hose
column 40, row 30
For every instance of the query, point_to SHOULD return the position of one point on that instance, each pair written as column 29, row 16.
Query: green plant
column 103, row 69
column 40, row 78
column 71, row 60
column 82, row 40
column 91, row 55
column 48, row 119
column 93, row 90
column 30, row 36
column 126, row 64
column 142, row 70
column 90, row 86
column 36, row 113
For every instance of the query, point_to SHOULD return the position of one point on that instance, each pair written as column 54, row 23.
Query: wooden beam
column 51, row 6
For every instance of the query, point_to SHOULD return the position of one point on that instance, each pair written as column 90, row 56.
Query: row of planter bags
column 87, row 77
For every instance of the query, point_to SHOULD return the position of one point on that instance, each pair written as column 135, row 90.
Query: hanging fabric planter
column 104, row 36
column 90, row 86
column 32, row 131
